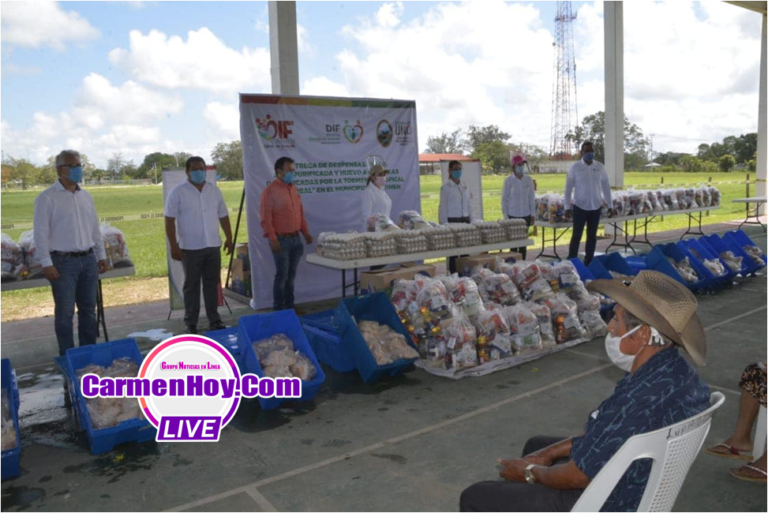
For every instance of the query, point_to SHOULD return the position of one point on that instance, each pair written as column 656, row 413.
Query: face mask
column 456, row 174
column 197, row 176
column 76, row 174
column 589, row 157
column 288, row 177
column 613, row 348
column 380, row 181
column 520, row 170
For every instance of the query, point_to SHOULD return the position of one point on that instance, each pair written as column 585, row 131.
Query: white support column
column 284, row 48
column 761, row 120
column 614, row 92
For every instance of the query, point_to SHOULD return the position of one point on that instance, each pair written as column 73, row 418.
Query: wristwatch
column 529, row 477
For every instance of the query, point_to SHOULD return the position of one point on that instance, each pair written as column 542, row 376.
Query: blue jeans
column 286, row 263
column 78, row 279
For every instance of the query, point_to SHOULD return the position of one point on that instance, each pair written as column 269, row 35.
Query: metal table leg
column 357, row 283
column 691, row 220
column 100, row 317
column 343, row 283
column 555, row 239
column 753, row 213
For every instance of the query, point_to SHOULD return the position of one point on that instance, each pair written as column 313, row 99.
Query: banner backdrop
column 329, row 138
column 175, row 269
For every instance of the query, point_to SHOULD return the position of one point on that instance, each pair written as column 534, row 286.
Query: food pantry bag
column 411, row 220
column 115, row 247
column 460, row 344
column 381, row 223
column 465, row 294
column 12, row 258
column 565, row 317
column 524, row 326
column 541, row 311
column 492, row 328
column 593, row 323
column 499, row 288
column 528, row 278
column 27, row 244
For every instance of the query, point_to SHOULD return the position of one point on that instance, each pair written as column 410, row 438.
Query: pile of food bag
column 12, row 259
column 115, row 247
column 106, row 412
column 279, row 359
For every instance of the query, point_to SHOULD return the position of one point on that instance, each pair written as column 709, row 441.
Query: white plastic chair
column 760, row 434
column 672, row 449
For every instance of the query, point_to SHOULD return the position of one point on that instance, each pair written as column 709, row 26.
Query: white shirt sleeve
column 568, row 189
column 505, row 199
column 223, row 212
column 172, row 204
column 42, row 230
column 606, row 183
column 442, row 211
column 367, row 201
column 531, row 198
column 98, row 247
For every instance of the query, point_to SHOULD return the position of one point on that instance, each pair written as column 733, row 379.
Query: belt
column 292, row 234
column 458, row 219
column 73, row 253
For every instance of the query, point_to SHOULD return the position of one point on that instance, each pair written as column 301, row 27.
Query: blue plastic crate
column 258, row 327
column 584, row 273
column 741, row 239
column 329, row 349
column 702, row 252
column 657, row 261
column 637, row 263
column 375, row 307
column 11, row 457
column 719, row 246
column 598, row 270
column 104, row 440
column 324, row 320
column 230, row 339
column 616, row 263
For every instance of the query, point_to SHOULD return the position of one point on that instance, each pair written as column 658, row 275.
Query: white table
column 757, row 200
column 100, row 319
column 694, row 216
column 564, row 227
column 344, row 265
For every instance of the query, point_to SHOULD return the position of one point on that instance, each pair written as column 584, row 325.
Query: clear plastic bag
column 460, row 344
column 386, row 345
column 524, row 327
column 493, row 332
column 593, row 323
column 32, row 262
column 411, row 220
column 106, row 412
column 653, row 201
column 528, row 278
column 541, row 311
column 565, row 318
column 381, row 223
column 670, row 200
column 685, row 269
column 755, row 254
column 566, row 274
column 662, row 205
column 465, row 294
column 8, row 434
column 714, row 194
column 542, row 208
column 499, row 288
column 303, row 368
column 276, row 342
column 556, row 205
column 715, row 267
column 115, row 247
column 12, row 259
column 732, row 261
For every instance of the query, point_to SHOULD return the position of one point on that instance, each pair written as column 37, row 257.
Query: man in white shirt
column 518, row 196
column 455, row 206
column 194, row 210
column 69, row 246
column 588, row 183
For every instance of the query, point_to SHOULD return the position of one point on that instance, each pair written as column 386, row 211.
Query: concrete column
column 284, row 48
column 761, row 120
column 614, row 92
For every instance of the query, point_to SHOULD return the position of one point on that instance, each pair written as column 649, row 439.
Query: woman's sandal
column 730, row 453
column 758, row 475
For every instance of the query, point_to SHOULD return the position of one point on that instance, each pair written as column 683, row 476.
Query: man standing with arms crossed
column 587, row 181
column 194, row 210
column 282, row 220
column 69, row 245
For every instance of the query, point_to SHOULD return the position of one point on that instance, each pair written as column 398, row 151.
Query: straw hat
column 663, row 303
column 376, row 169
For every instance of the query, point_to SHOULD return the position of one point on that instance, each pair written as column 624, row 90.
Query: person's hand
column 229, row 246
column 177, row 253
column 309, row 238
column 51, row 273
column 538, row 458
column 514, row 470
column 102, row 266
column 275, row 245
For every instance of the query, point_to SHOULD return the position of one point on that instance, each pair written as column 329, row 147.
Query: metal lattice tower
column 565, row 115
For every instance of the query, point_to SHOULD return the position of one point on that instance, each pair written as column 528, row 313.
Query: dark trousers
column 514, row 496
column 452, row 260
column 78, row 279
column 286, row 264
column 201, row 265
column 528, row 221
column 592, row 219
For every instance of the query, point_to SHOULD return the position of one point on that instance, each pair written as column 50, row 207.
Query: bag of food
column 706, row 197
column 653, row 201
column 386, row 345
column 660, row 201
column 565, row 318
column 524, row 327
column 556, row 207
column 12, row 259
column 499, row 288
column 381, row 223
column 755, row 254
column 714, row 194
column 566, row 275
column 31, row 261
column 732, row 260
column 493, row 333
column 8, row 434
column 593, row 323
column 682, row 203
column 698, row 198
column 528, row 278
column 544, row 317
column 618, row 204
column 542, row 208
column 411, row 220
column 278, row 342
column 115, row 247
column 460, row 344
column 670, row 200
column 635, row 202
column 434, row 303
column 402, row 295
column 466, row 296
column 685, row 269
column 583, row 298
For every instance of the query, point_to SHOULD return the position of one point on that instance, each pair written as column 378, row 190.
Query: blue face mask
column 456, row 174
column 589, row 157
column 288, row 177
column 197, row 176
column 520, row 170
column 76, row 174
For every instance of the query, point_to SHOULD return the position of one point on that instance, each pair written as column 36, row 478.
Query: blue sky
column 136, row 77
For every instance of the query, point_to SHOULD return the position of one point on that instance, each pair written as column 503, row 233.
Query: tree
column 669, row 158
column 593, row 129
column 690, row 164
column 228, row 158
column 115, row 165
column 156, row 163
column 534, row 154
column 21, row 171
column 726, row 163
column 487, row 134
column 46, row 175
column 6, row 173
column 745, row 148
column 493, row 156
column 446, row 143
column 181, row 159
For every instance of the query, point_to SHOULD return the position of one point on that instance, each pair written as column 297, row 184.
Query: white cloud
column 14, row 69
column 202, row 61
column 224, row 119
column 36, row 24
column 322, row 86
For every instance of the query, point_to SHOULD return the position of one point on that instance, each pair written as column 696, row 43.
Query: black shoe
column 192, row 330
column 218, row 325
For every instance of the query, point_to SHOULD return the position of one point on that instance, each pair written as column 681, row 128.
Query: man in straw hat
column 654, row 316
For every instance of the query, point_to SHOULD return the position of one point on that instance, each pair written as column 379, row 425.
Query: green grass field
column 146, row 238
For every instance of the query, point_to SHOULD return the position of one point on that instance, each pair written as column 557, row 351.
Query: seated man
column 654, row 315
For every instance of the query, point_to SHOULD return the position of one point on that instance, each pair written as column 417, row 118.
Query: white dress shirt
column 197, row 214
column 67, row 222
column 455, row 201
column 375, row 201
column 518, row 197
column 587, row 183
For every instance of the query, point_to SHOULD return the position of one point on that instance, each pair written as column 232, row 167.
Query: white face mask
column 625, row 361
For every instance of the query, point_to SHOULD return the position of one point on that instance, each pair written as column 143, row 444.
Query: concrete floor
column 410, row 443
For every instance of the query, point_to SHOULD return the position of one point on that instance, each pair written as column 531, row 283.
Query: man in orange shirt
column 282, row 219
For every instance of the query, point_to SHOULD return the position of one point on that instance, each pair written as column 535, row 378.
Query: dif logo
column 352, row 133
column 270, row 129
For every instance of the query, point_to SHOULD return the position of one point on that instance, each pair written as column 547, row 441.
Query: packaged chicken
column 386, row 345
column 732, row 261
column 8, row 434
column 755, row 254
column 685, row 269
